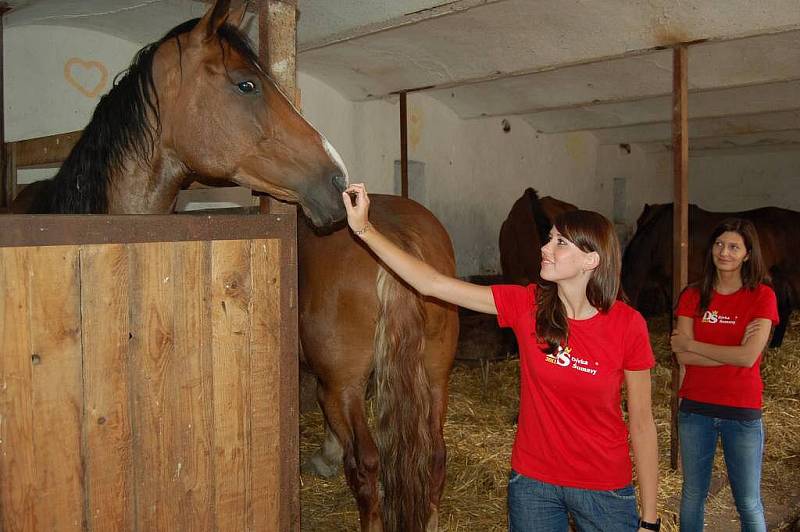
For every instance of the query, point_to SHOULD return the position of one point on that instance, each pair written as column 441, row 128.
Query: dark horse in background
column 523, row 234
column 197, row 103
column 647, row 261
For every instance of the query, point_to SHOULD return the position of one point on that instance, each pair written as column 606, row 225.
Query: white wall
column 474, row 171
column 728, row 180
column 719, row 180
column 40, row 99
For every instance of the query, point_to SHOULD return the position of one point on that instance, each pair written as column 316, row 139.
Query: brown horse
column 524, row 232
column 345, row 295
column 647, row 262
column 196, row 102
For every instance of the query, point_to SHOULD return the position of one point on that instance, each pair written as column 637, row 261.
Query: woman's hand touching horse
column 421, row 276
column 356, row 203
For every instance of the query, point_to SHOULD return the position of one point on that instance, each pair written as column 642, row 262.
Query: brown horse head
column 225, row 118
column 196, row 102
column 523, row 234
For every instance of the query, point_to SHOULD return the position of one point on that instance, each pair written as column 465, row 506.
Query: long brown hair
column 753, row 271
column 590, row 232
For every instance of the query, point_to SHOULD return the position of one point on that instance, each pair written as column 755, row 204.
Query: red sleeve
column 512, row 301
column 687, row 303
column 638, row 354
column 766, row 304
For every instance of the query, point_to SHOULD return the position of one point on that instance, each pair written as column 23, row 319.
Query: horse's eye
column 246, row 87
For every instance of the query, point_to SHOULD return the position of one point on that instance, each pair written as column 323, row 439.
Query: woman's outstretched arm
column 420, row 275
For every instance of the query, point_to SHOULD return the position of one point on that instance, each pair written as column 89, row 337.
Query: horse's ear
column 213, row 20
column 237, row 15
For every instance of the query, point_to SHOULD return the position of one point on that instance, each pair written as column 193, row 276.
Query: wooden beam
column 277, row 51
column 403, row 145
column 680, row 214
column 46, row 151
column 9, row 169
column 5, row 187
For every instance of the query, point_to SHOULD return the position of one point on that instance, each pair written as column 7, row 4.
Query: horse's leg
column 344, row 412
column 328, row 458
column 440, row 348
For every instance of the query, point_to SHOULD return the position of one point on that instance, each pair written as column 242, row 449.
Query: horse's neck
column 146, row 189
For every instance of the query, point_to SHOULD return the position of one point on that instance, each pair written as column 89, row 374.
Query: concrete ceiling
column 562, row 65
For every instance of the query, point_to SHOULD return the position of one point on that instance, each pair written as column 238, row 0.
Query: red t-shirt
column 723, row 324
column 571, row 431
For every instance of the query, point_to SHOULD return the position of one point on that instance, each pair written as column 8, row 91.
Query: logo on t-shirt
column 563, row 357
column 714, row 316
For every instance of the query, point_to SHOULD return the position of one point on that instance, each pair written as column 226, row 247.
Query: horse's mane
column 543, row 223
column 125, row 123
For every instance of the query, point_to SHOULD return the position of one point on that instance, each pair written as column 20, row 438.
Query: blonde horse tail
column 403, row 404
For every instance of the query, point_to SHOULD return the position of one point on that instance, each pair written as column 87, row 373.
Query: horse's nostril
column 340, row 182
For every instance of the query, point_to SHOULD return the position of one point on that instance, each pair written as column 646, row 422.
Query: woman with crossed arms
column 723, row 326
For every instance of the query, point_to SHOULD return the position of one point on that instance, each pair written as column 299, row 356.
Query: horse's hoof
column 317, row 465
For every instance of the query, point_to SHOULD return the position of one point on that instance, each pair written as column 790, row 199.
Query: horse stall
column 149, row 373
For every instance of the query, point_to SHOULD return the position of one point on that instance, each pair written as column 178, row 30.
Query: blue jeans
column 541, row 507
column 743, row 447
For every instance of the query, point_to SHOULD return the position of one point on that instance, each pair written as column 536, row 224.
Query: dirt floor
column 480, row 430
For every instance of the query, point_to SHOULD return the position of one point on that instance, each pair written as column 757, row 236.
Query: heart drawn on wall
column 89, row 77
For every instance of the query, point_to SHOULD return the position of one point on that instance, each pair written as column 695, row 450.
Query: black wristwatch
column 650, row 526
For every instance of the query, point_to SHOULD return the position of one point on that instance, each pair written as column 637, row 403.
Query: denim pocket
column 626, row 493
column 751, row 423
column 513, row 476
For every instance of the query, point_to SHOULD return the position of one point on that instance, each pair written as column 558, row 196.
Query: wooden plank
column 265, row 385
column 192, row 267
column 107, row 423
column 17, row 461
column 49, row 151
column 154, row 415
column 289, row 379
column 49, row 230
column 57, row 383
column 680, row 216
column 230, row 302
column 9, row 168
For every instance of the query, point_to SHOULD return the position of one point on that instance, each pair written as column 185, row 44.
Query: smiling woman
column 723, row 325
column 578, row 343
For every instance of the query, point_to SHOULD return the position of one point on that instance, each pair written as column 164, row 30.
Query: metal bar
column 403, row 145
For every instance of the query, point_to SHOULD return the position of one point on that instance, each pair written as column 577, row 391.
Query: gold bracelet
column 363, row 230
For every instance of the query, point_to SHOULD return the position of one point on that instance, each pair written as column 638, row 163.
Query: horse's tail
column 403, row 404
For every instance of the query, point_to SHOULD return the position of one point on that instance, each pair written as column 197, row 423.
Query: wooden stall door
column 139, row 386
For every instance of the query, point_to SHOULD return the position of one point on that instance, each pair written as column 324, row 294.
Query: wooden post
column 403, row 145
column 6, row 188
column 277, row 51
column 9, row 172
column 680, row 214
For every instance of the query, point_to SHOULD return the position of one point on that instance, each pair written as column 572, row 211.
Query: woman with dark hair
column 723, row 324
column 578, row 343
